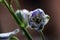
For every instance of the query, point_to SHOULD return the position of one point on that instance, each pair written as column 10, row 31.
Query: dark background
column 50, row 7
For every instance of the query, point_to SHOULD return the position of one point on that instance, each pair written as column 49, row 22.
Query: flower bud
column 23, row 15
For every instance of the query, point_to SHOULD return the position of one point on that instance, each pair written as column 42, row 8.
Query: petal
column 38, row 11
column 2, row 35
column 26, row 12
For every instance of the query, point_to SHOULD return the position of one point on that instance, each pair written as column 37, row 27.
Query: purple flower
column 38, row 19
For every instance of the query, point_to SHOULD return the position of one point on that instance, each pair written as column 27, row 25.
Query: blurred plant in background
column 35, row 19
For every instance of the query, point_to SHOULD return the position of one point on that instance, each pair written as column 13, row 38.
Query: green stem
column 17, row 20
column 10, row 2
column 42, row 35
column 26, row 34
column 12, row 37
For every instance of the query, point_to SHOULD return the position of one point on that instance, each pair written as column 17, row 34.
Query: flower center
column 37, row 19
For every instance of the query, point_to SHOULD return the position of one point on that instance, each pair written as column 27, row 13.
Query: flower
column 23, row 15
column 38, row 19
column 7, row 35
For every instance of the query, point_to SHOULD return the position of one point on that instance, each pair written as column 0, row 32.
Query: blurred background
column 50, row 7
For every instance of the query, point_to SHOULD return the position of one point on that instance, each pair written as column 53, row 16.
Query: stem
column 17, row 20
column 12, row 37
column 27, row 34
column 10, row 2
column 17, row 3
column 42, row 34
